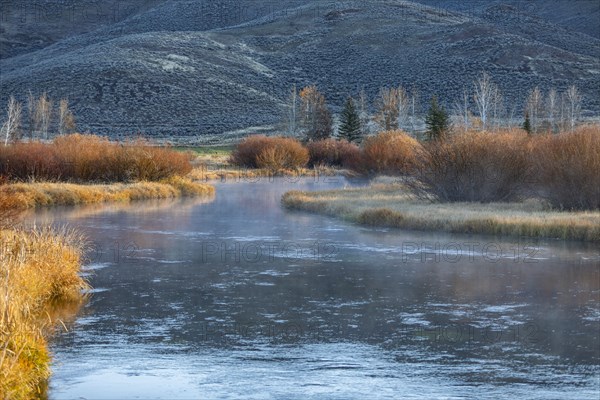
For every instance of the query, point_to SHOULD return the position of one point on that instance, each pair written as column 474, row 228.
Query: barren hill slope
column 178, row 69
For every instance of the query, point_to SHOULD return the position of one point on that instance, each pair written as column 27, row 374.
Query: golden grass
column 31, row 195
column 232, row 173
column 37, row 269
column 394, row 206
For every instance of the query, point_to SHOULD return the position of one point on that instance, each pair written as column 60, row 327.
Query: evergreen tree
column 527, row 124
column 350, row 127
column 437, row 120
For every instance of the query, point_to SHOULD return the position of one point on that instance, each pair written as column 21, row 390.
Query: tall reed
column 38, row 268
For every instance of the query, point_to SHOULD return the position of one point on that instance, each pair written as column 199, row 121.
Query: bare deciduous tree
column 316, row 117
column 534, row 108
column 43, row 114
column 66, row 120
column 31, row 106
column 70, row 123
column 414, row 108
column 387, row 109
column 552, row 108
column 573, row 106
column 498, row 108
column 403, row 107
column 461, row 110
column 10, row 128
column 484, row 97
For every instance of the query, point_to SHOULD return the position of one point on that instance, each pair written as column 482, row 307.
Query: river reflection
column 237, row 297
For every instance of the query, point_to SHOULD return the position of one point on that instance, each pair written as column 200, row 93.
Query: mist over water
column 237, row 297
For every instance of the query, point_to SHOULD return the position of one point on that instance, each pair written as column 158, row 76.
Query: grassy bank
column 38, row 270
column 31, row 195
column 232, row 173
column 392, row 205
column 207, row 150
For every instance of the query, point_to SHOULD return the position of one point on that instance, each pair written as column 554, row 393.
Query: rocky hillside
column 188, row 68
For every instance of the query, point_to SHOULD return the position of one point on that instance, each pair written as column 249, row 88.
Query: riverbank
column 216, row 165
column 236, row 174
column 37, row 194
column 38, row 269
column 392, row 205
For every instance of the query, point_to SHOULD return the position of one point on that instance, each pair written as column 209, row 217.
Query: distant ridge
column 188, row 68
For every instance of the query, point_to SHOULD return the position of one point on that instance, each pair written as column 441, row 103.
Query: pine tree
column 350, row 127
column 527, row 124
column 437, row 120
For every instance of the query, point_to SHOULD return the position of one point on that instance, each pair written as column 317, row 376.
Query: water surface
column 236, row 297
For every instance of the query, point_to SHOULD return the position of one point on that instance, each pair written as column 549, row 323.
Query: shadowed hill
column 198, row 68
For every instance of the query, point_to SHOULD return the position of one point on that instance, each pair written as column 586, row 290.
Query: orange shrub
column 270, row 152
column 248, row 149
column 23, row 161
column 155, row 163
column 91, row 158
column 567, row 168
column 475, row 166
column 391, row 152
column 335, row 153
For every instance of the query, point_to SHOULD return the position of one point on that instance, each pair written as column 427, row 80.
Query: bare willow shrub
column 567, row 168
column 475, row 166
column 150, row 163
column 390, row 152
column 333, row 153
column 24, row 161
column 270, row 152
column 245, row 153
column 89, row 158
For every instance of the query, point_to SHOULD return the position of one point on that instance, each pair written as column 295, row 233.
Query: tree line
column 41, row 116
column 483, row 107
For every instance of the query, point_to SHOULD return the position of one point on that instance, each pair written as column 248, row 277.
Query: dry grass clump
column 567, row 168
column 380, row 217
column 334, row 153
column 31, row 195
column 37, row 268
column 10, row 208
column 88, row 158
column 391, row 152
column 395, row 206
column 273, row 153
column 206, row 173
column 475, row 166
column 188, row 188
